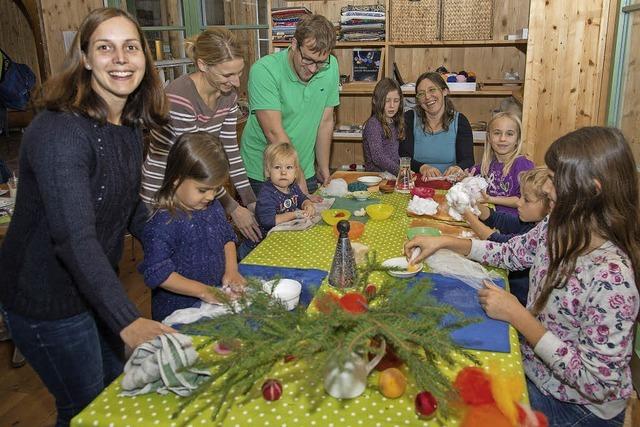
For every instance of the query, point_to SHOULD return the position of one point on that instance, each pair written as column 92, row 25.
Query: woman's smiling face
column 430, row 97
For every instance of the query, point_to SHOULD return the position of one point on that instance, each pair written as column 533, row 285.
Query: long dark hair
column 198, row 156
column 380, row 93
column 597, row 190
column 449, row 110
column 70, row 90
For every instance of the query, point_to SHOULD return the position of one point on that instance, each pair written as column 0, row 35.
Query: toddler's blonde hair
column 274, row 152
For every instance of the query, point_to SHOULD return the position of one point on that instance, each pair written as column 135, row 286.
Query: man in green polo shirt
column 292, row 94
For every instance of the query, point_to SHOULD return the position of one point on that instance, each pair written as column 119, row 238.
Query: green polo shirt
column 274, row 85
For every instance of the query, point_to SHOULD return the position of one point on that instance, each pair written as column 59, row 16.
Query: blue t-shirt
column 272, row 202
column 190, row 246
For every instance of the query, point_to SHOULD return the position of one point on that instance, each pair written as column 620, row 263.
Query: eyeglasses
column 432, row 91
column 321, row 65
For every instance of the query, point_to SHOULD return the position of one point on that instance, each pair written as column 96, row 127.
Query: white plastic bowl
column 370, row 180
column 286, row 290
column 401, row 262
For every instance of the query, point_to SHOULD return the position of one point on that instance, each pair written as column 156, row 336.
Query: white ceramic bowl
column 286, row 290
column 401, row 262
column 370, row 180
column 361, row 195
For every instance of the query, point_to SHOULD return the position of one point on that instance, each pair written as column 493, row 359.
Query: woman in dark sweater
column 438, row 139
column 80, row 165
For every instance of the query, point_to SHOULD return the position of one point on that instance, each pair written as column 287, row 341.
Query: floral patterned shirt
column 584, row 355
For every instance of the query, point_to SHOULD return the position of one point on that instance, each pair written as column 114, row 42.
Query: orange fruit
column 392, row 383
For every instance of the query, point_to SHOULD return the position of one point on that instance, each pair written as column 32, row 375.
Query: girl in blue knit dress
column 188, row 244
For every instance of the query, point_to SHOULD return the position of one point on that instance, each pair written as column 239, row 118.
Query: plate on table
column 402, row 263
column 458, row 230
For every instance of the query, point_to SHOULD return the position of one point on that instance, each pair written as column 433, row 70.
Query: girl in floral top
column 585, row 269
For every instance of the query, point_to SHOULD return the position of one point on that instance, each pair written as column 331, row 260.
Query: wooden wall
column 568, row 69
column 630, row 111
column 16, row 37
column 59, row 16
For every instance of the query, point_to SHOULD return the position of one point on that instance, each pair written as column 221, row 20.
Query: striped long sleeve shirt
column 189, row 113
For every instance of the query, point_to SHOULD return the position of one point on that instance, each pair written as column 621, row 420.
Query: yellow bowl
column 333, row 216
column 379, row 211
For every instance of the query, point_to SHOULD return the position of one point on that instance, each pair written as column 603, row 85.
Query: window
column 167, row 23
column 624, row 107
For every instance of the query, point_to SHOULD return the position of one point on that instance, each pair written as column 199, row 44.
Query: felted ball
column 426, row 404
column 451, row 79
column 464, row 73
column 460, row 78
column 485, row 415
column 392, row 383
column 474, row 386
column 271, row 390
column 354, row 302
column 327, row 302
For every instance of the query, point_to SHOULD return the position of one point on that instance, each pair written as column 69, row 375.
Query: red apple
column 354, row 302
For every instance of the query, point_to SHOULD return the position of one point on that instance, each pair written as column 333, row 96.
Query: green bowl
column 422, row 231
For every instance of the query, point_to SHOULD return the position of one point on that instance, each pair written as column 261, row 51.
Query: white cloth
column 163, row 365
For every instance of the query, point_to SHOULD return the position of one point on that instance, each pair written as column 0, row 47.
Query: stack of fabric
column 362, row 23
column 284, row 21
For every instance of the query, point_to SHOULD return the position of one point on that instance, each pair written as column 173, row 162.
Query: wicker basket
column 467, row 19
column 415, row 20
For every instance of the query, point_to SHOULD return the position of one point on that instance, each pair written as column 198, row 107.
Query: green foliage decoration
column 263, row 332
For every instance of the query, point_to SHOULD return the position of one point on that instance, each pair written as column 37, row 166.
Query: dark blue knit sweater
column 78, row 194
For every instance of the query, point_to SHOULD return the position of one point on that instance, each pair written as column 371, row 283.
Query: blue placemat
column 310, row 278
column 487, row 335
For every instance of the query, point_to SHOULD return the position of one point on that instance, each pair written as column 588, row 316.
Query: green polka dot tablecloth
column 304, row 402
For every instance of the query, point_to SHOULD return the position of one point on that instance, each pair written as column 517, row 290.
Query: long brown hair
column 378, row 100
column 213, row 47
column 597, row 191
column 198, row 156
column 71, row 91
column 449, row 110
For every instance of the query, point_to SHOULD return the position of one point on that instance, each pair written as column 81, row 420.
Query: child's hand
column 234, row 281
column 485, row 198
column 309, row 209
column 498, row 303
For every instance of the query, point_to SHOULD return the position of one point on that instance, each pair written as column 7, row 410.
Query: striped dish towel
column 162, row 365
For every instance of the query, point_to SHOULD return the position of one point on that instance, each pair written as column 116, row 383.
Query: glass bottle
column 343, row 268
column 404, row 183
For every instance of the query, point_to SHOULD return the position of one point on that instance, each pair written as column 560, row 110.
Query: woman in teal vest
column 438, row 139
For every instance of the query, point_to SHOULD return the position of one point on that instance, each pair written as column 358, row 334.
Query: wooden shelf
column 343, row 44
column 520, row 44
column 346, row 138
column 485, row 93
column 358, row 88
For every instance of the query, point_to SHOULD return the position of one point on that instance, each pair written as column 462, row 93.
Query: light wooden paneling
column 16, row 37
column 59, row 16
column 630, row 111
column 567, row 69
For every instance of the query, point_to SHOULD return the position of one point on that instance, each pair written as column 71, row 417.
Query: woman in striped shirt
column 206, row 100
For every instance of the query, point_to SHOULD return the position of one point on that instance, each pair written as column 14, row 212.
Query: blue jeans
column 312, row 185
column 72, row 356
column 564, row 414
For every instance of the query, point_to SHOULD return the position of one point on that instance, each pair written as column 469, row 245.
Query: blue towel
column 310, row 278
column 487, row 335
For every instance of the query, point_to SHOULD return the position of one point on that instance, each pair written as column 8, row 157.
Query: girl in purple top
column 188, row 244
column 585, row 270
column 384, row 128
column 502, row 162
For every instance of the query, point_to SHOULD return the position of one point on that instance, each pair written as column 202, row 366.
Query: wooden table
column 304, row 401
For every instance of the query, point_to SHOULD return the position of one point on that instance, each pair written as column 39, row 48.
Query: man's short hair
column 318, row 28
